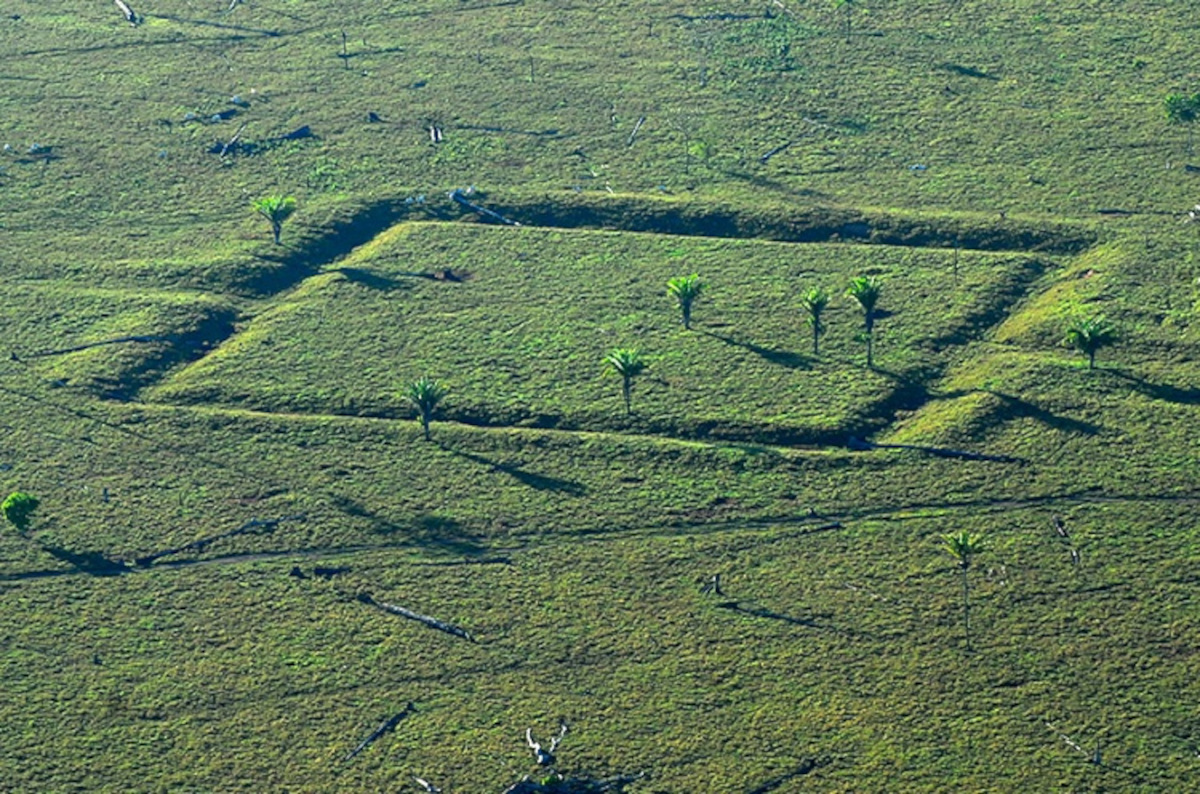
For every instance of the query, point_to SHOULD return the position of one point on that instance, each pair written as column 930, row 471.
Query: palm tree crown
column 813, row 304
column 865, row 291
column 276, row 209
column 626, row 362
column 1090, row 334
column 686, row 290
column 425, row 394
column 963, row 547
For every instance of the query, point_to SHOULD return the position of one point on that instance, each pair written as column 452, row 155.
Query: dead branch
column 636, row 127
column 1096, row 757
column 426, row 785
column 459, row 197
column 1060, row 527
column 234, row 139
column 776, row 150
column 545, row 757
column 434, row 623
column 389, row 724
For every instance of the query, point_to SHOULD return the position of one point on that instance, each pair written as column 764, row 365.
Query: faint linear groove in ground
column 818, row 524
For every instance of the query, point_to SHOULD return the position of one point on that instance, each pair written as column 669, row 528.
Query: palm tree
column 865, row 291
column 686, row 290
column 626, row 362
column 1090, row 334
column 963, row 547
column 276, row 209
column 813, row 304
column 425, row 394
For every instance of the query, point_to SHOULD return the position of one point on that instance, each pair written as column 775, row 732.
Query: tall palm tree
column 626, row 362
column 686, row 290
column 276, row 209
column 865, row 291
column 425, row 394
column 1090, row 334
column 963, row 547
column 813, row 304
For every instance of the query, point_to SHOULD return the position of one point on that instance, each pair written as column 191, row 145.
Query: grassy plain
column 173, row 376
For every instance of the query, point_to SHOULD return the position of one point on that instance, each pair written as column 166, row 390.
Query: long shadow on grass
column 427, row 531
column 376, row 281
column 759, row 612
column 782, row 358
column 539, row 482
column 806, row 766
column 53, row 51
column 1160, row 391
column 92, row 563
column 205, row 23
column 1016, row 407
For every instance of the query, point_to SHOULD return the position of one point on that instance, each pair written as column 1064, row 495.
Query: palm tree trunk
column 277, row 230
column 626, row 388
column 870, row 345
column 966, row 609
column 425, row 424
column 1091, row 359
column 816, row 338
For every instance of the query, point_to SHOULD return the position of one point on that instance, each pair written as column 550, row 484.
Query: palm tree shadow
column 1016, row 407
column 755, row 611
column 429, row 530
column 781, row 358
column 539, row 482
column 371, row 280
column 1160, row 391
column 448, row 535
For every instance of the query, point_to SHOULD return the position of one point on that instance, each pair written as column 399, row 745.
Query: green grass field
column 227, row 467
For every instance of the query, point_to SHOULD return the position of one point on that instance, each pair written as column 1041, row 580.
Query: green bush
column 18, row 509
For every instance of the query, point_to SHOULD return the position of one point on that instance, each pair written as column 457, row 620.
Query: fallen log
column 130, row 16
column 781, row 147
column 255, row 525
column 636, row 127
column 459, row 197
column 387, row 725
column 433, row 623
column 236, row 136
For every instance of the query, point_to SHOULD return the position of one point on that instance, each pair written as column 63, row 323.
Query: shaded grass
column 62, row 333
